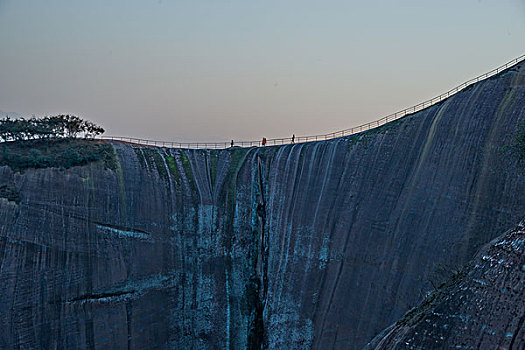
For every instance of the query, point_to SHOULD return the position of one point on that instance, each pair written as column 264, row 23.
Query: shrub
column 57, row 153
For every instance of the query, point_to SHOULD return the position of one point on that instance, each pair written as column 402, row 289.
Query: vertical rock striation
column 319, row 245
column 482, row 307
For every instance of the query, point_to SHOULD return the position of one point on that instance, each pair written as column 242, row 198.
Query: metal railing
column 328, row 136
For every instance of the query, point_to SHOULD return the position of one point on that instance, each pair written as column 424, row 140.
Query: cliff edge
column 307, row 246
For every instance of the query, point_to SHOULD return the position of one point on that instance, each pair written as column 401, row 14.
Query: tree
column 91, row 130
column 58, row 126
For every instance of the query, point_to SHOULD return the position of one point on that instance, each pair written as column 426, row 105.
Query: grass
column 140, row 157
column 237, row 159
column 149, row 156
column 152, row 156
column 55, row 153
column 187, row 170
column 173, row 168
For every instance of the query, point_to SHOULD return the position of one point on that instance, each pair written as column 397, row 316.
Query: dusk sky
column 215, row 70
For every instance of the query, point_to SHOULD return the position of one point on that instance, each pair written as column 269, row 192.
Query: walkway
column 332, row 135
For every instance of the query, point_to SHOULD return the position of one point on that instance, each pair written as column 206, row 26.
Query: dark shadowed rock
column 482, row 307
column 319, row 245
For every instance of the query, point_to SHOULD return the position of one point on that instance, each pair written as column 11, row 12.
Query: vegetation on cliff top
column 56, row 153
column 51, row 142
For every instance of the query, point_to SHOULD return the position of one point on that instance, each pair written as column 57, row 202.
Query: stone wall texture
column 307, row 246
column 483, row 307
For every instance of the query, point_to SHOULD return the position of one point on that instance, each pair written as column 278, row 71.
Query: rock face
column 480, row 308
column 319, row 245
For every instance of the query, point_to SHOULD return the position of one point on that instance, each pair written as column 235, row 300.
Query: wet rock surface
column 482, row 307
column 319, row 245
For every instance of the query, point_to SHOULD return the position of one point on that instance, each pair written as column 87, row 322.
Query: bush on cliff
column 55, row 153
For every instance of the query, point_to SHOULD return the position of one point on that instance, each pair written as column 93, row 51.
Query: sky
column 202, row 70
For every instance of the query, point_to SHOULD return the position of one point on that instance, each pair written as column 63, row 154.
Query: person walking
column 264, row 141
column 293, row 138
column 232, row 144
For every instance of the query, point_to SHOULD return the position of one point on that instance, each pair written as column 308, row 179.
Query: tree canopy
column 59, row 126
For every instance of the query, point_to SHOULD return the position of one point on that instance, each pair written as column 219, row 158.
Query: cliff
column 479, row 308
column 318, row 245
